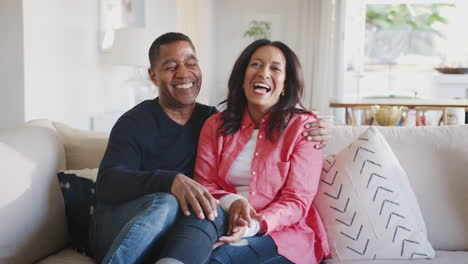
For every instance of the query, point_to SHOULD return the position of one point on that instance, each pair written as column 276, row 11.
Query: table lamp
column 130, row 49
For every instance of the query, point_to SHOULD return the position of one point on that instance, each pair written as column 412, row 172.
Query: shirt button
column 256, row 153
column 260, row 137
column 254, row 173
column 263, row 120
column 243, row 126
column 252, row 193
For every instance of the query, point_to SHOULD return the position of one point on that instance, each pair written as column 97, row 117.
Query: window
column 392, row 47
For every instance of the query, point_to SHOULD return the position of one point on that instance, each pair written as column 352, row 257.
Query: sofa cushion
column 32, row 211
column 367, row 205
column 67, row 256
column 78, row 193
column 83, row 149
column 441, row 257
column 436, row 162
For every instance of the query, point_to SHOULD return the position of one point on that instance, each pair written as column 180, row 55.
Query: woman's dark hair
column 282, row 111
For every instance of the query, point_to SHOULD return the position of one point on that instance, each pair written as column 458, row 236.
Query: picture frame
column 117, row 14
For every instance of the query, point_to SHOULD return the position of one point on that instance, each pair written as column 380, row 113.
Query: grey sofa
column 33, row 226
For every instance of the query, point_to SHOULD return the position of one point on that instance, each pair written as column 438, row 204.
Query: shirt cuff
column 227, row 200
column 163, row 180
column 253, row 230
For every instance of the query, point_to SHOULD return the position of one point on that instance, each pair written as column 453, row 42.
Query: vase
column 387, row 115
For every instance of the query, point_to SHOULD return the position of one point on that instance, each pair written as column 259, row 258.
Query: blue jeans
column 191, row 241
column 132, row 232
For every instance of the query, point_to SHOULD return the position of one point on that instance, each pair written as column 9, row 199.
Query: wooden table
column 351, row 105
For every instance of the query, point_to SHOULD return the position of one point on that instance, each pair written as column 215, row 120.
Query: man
column 146, row 173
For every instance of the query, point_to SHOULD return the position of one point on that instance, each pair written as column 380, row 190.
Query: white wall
column 67, row 80
column 11, row 64
column 231, row 21
column 65, row 77
column 160, row 17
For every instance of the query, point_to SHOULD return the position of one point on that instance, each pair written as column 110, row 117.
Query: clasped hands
column 241, row 217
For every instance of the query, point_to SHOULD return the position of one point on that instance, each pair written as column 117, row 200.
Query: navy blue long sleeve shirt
column 146, row 150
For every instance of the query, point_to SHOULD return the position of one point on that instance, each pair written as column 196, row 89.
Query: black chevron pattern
column 390, row 218
column 403, row 244
column 361, row 148
column 368, row 162
column 333, row 181
column 363, row 252
column 363, row 139
column 356, row 237
column 347, row 224
column 387, row 201
column 372, row 176
column 417, row 254
column 383, row 195
column 341, row 210
column 377, row 191
column 396, row 231
column 329, row 168
column 336, row 196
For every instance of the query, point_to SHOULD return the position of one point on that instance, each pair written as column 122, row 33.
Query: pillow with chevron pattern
column 367, row 205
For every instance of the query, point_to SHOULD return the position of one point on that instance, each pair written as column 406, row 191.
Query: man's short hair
column 166, row 38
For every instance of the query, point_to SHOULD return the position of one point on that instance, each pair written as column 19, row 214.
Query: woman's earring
column 282, row 93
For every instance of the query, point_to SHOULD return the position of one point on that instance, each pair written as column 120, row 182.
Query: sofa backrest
column 31, row 205
column 436, row 162
column 83, row 148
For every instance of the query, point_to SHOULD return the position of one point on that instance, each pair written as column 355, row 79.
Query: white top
column 239, row 177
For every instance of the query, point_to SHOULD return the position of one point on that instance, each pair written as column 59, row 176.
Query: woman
column 253, row 159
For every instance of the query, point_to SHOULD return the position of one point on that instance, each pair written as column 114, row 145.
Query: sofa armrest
column 31, row 203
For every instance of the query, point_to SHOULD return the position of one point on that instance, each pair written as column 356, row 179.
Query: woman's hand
column 241, row 214
column 232, row 238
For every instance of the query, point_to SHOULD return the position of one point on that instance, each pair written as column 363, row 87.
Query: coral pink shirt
column 283, row 181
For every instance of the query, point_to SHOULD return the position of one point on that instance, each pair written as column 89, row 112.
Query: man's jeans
column 130, row 232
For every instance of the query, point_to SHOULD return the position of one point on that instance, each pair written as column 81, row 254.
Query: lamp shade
column 131, row 47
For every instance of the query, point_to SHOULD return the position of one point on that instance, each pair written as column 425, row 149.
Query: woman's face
column 264, row 77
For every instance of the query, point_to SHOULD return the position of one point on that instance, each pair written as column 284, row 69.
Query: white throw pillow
column 367, row 205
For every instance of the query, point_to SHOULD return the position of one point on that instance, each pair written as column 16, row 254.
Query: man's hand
column 190, row 192
column 241, row 214
column 318, row 131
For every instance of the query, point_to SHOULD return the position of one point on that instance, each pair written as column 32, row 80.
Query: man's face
column 177, row 75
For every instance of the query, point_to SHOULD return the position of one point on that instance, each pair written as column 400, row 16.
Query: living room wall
column 11, row 64
column 308, row 27
column 65, row 77
column 231, row 20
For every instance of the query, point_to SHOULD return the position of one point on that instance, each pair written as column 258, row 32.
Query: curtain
column 195, row 19
column 321, row 50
